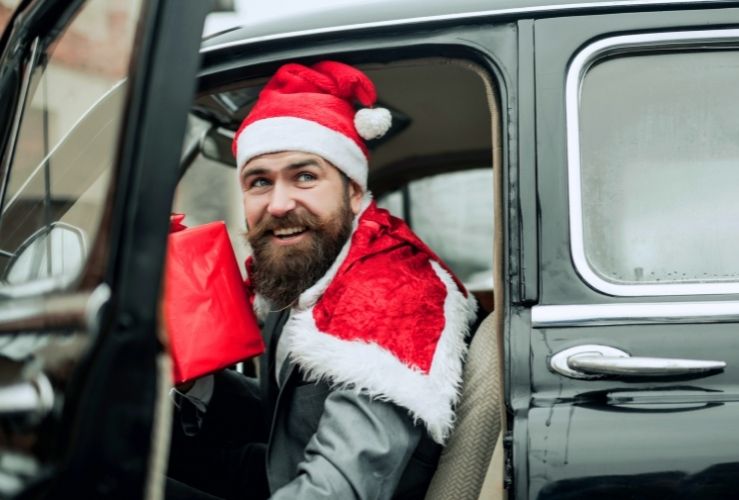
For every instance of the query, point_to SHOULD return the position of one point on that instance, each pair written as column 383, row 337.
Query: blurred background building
column 87, row 66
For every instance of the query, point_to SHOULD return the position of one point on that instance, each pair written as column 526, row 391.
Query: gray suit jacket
column 325, row 442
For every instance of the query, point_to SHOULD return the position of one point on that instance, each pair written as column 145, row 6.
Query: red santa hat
column 312, row 109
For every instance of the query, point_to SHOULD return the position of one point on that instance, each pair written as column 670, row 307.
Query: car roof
column 377, row 13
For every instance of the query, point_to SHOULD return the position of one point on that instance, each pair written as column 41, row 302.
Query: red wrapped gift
column 208, row 316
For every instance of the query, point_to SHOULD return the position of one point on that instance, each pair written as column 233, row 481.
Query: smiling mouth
column 289, row 232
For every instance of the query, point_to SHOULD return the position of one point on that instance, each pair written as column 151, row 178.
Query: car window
column 6, row 10
column 59, row 175
column 658, row 157
column 453, row 214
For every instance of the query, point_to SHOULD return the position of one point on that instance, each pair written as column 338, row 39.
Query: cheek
column 252, row 211
column 322, row 202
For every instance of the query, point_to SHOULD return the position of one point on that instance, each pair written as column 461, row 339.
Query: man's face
column 299, row 212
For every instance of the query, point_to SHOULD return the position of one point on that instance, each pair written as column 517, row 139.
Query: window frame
column 578, row 69
column 36, row 35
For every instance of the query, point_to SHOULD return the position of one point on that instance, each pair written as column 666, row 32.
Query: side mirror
column 216, row 145
column 53, row 251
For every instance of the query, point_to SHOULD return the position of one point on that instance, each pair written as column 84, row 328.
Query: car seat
column 465, row 461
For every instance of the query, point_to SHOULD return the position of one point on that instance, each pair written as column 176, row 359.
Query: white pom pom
column 372, row 123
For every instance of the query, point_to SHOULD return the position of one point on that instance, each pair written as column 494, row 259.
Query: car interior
column 437, row 168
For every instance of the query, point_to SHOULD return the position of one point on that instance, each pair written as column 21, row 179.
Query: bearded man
column 365, row 326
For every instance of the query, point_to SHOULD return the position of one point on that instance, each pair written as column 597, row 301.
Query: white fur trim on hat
column 284, row 133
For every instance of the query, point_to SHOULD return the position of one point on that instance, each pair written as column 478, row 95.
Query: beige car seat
column 464, row 465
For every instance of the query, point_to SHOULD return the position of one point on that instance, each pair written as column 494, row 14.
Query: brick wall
column 99, row 30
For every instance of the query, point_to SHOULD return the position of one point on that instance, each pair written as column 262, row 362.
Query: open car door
column 94, row 97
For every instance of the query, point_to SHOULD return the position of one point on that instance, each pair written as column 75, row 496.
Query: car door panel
column 618, row 451
column 609, row 436
column 95, row 332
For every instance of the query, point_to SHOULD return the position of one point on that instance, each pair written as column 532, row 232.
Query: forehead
column 285, row 159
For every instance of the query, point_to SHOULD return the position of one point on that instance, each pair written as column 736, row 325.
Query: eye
column 258, row 182
column 306, row 177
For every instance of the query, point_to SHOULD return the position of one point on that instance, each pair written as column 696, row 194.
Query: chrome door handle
column 34, row 397
column 594, row 361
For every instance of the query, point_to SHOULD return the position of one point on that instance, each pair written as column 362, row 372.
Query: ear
column 355, row 196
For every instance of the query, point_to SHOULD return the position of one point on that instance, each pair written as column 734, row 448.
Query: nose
column 281, row 202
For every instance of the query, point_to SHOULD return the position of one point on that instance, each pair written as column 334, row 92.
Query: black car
column 573, row 163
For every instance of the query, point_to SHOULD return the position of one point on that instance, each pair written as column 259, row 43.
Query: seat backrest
column 465, row 459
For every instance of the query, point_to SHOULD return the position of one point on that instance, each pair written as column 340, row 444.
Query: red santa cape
column 388, row 319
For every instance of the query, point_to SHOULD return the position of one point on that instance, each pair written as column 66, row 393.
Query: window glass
column 453, row 214
column 660, row 166
column 66, row 146
column 6, row 10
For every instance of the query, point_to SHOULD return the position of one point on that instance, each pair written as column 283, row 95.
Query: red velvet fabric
column 386, row 292
column 324, row 93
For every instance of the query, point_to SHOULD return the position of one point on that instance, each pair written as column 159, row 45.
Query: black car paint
column 121, row 387
column 578, row 438
column 570, row 439
column 114, row 390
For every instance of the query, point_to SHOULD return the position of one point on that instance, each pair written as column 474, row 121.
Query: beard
column 282, row 273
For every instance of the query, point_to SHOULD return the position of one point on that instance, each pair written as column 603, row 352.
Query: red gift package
column 208, row 316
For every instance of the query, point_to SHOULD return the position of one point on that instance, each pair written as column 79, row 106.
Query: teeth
column 287, row 231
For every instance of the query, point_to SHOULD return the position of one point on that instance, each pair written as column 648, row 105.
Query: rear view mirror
column 54, row 250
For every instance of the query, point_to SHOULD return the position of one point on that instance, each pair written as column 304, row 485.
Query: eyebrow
column 309, row 162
